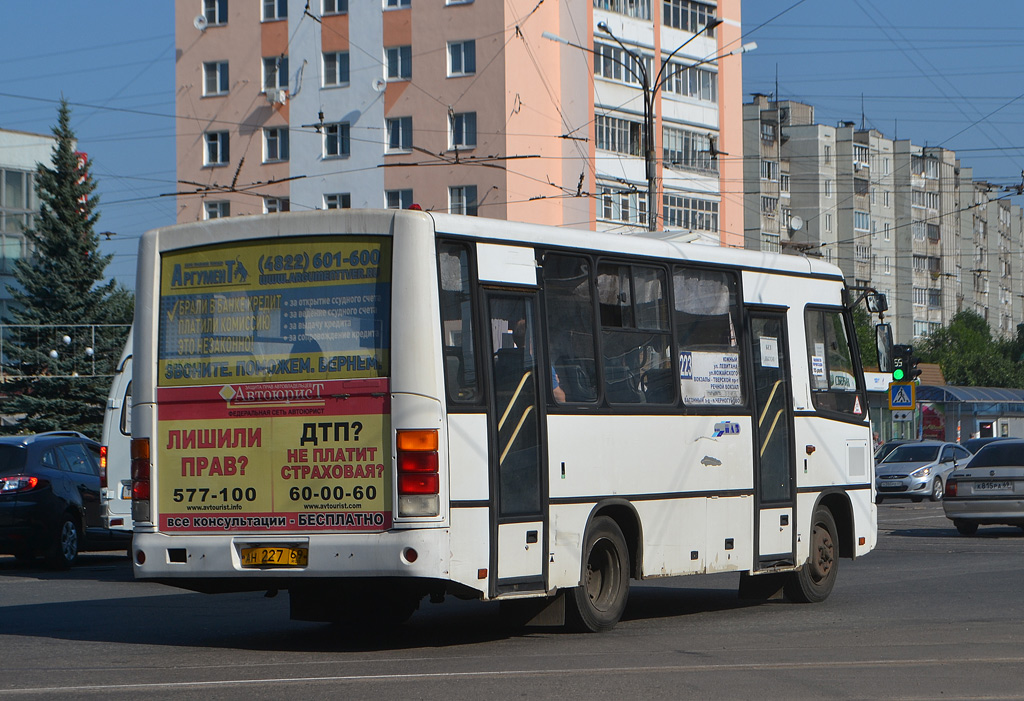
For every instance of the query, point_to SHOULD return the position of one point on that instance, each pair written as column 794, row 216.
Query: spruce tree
column 58, row 361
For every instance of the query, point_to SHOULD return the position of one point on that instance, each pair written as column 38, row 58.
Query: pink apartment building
column 463, row 106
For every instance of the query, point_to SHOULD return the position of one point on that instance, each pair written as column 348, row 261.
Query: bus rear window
column 311, row 308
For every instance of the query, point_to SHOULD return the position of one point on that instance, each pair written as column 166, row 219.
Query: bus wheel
column 597, row 604
column 814, row 581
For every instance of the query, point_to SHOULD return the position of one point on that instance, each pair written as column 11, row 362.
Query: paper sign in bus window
column 710, row 378
column 769, row 352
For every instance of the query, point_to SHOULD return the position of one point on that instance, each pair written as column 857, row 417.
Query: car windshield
column 12, row 459
column 999, row 455
column 913, row 453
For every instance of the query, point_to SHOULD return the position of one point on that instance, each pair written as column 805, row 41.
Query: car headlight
column 921, row 472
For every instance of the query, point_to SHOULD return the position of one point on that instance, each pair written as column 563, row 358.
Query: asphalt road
column 929, row 614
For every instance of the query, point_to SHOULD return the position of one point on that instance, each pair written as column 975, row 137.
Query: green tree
column 865, row 337
column 60, row 351
column 968, row 355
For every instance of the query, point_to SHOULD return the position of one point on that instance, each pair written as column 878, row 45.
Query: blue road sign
column 902, row 395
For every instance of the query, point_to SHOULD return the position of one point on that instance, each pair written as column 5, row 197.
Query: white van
column 115, row 455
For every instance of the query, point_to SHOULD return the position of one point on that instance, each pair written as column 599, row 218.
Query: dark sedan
column 989, row 489
column 50, row 497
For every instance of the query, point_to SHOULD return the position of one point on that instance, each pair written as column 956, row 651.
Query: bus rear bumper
column 412, row 553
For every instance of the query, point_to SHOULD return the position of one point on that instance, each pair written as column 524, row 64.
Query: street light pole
column 650, row 92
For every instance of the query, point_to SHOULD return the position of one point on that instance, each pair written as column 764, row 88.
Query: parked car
column 50, row 498
column 918, row 470
column 975, row 444
column 989, row 489
column 888, row 447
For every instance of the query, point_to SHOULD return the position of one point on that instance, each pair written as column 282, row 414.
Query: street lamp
column 650, row 91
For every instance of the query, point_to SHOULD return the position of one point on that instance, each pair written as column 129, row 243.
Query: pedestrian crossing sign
column 902, row 395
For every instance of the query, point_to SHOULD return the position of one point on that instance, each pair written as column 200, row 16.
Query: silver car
column 989, row 490
column 918, row 470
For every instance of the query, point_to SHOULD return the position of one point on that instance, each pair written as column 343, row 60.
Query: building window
column 217, row 152
column 338, row 200
column 275, row 144
column 769, row 170
column 396, row 4
column 336, row 140
column 618, row 135
column 918, row 229
column 862, row 252
column 828, row 222
column 458, row 2
column 275, row 9
column 620, row 205
column 784, row 183
column 862, row 221
column 398, row 199
column 215, row 12
column 689, row 16
column 933, row 233
column 612, row 63
column 463, row 130
column 217, row 210
column 771, row 243
column 335, row 68
column 688, row 81
column 399, row 133
column 691, row 213
column 640, row 9
column 885, row 198
column 828, row 154
column 275, row 73
column 887, row 231
column 462, row 57
column 888, row 268
column 861, row 186
column 462, row 200
column 933, row 200
column 276, row 204
column 334, row 7
column 399, row 62
column 683, row 148
column 769, row 206
column 861, row 155
column 215, row 78
column 828, row 188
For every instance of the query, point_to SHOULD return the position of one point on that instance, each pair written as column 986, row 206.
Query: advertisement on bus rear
column 273, row 394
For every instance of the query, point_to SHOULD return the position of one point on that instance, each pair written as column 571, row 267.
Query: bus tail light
column 141, row 467
column 419, row 483
column 103, row 467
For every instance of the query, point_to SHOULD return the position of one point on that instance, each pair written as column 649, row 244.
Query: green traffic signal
column 897, row 374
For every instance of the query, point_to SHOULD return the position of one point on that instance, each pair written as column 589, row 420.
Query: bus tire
column 597, row 604
column 813, row 582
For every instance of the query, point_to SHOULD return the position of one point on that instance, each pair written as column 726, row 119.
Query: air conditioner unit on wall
column 277, row 97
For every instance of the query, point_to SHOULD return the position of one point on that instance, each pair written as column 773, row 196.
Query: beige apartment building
column 907, row 220
column 463, row 106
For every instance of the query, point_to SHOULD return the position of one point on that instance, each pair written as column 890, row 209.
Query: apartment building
column 905, row 219
column 462, row 106
column 20, row 153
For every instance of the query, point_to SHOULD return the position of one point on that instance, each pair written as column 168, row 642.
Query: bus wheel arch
column 838, row 503
column 610, row 555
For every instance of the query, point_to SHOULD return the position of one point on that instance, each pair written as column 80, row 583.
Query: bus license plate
column 265, row 556
column 1006, row 486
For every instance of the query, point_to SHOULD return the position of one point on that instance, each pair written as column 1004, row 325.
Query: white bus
column 115, row 457
column 366, row 408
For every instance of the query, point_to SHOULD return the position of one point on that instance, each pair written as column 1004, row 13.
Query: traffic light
column 904, row 364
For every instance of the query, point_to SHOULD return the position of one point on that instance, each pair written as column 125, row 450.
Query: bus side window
column 457, row 323
column 830, row 358
column 706, row 319
column 635, row 338
column 569, row 303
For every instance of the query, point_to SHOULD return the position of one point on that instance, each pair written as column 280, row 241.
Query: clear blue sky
column 934, row 71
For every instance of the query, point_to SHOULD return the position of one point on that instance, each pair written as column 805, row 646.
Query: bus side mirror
column 877, row 302
column 883, row 346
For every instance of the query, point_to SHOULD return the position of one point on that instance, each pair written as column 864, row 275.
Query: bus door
column 516, row 443
column 775, row 482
